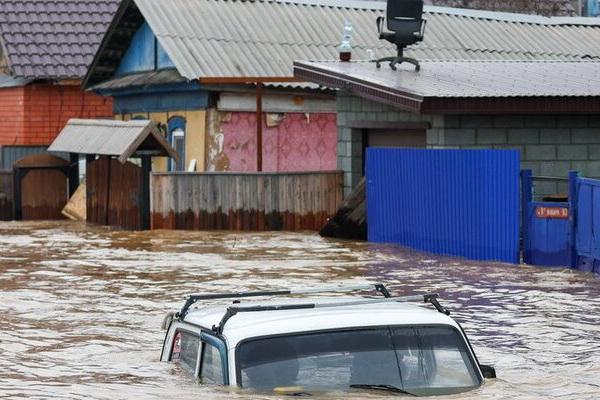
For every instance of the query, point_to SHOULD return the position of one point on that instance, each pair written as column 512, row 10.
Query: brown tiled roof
column 53, row 39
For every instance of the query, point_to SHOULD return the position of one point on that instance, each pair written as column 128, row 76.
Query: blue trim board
column 174, row 123
column 151, row 89
column 159, row 102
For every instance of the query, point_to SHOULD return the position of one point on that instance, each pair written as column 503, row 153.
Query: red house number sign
column 552, row 212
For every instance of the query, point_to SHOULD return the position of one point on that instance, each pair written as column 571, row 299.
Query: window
column 211, row 370
column 176, row 138
column 422, row 361
column 185, row 350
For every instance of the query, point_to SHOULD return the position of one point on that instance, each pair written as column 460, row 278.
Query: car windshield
column 424, row 360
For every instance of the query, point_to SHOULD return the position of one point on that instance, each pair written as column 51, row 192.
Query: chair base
column 397, row 60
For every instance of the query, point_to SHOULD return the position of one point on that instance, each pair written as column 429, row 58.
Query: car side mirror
column 488, row 371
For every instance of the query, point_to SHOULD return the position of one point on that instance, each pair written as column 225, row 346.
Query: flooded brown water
column 81, row 308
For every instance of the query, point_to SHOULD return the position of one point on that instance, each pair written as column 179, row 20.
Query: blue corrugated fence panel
column 454, row 202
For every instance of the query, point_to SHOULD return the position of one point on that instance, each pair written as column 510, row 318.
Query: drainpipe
column 259, row 93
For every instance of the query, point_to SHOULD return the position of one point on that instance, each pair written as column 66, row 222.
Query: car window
column 419, row 360
column 433, row 357
column 211, row 370
column 185, row 350
column 332, row 360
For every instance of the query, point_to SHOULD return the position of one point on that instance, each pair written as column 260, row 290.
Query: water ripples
column 82, row 307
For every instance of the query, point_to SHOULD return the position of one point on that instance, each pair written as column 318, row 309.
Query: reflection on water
column 81, row 307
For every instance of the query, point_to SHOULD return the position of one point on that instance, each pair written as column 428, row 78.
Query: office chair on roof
column 407, row 26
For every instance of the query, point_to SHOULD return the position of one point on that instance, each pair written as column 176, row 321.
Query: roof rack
column 190, row 300
column 233, row 310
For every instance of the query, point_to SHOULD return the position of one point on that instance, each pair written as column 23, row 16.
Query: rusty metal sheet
column 44, row 193
column 245, row 201
column 41, row 189
column 112, row 193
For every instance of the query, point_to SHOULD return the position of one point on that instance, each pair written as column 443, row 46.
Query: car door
column 185, row 350
column 213, row 361
column 200, row 354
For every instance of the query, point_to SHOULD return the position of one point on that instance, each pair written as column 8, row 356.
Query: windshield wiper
column 389, row 388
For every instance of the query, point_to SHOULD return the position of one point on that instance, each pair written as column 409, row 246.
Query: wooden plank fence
column 6, row 195
column 244, row 201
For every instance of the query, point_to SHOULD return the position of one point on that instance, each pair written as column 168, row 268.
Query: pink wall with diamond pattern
column 301, row 142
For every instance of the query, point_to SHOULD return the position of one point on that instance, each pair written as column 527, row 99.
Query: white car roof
column 245, row 325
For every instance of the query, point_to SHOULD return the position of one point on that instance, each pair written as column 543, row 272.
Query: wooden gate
column 113, row 193
column 41, row 187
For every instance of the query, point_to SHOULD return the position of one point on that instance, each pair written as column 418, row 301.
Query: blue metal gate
column 454, row 202
column 587, row 224
column 562, row 233
column 547, row 226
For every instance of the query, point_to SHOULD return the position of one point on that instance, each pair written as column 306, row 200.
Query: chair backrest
column 404, row 15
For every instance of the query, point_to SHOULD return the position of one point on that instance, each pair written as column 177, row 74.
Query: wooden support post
column 108, row 178
column 17, row 210
column 73, row 173
column 259, row 132
column 145, row 192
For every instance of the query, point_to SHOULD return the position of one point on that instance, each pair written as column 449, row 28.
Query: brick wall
column 35, row 114
column 549, row 145
column 49, row 107
column 11, row 114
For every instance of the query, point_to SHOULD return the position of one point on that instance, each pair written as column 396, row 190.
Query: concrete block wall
column 350, row 140
column 549, row 145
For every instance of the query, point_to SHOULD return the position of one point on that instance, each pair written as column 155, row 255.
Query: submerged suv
column 300, row 346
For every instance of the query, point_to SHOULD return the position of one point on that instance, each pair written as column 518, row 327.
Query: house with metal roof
column 548, row 110
column 208, row 70
column 45, row 49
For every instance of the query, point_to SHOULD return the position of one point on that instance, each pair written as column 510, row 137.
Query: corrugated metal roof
column 464, row 79
column 547, row 7
column 111, row 138
column 261, row 38
column 142, row 79
column 53, row 39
